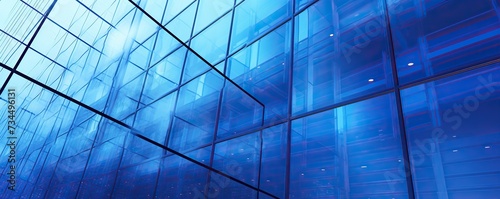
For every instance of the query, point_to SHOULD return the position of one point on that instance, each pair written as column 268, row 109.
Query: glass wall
column 250, row 99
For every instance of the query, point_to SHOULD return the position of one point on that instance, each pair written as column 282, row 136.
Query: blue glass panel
column 194, row 122
column 194, row 66
column 67, row 176
column 222, row 187
column 238, row 112
column 239, row 157
column 19, row 20
column 339, row 57
column 454, row 135
column 129, row 96
column 210, row 11
column 299, row 4
column 201, row 155
column 15, row 48
column 252, row 19
column 104, row 159
column 137, row 180
column 274, row 156
column 137, row 151
column 348, row 152
column 182, row 24
column 164, row 46
column 164, row 76
column 180, row 178
column 212, row 43
column 174, row 8
column 262, row 69
column 429, row 40
column 154, row 120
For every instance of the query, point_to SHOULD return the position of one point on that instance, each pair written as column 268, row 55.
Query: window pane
column 430, row 40
column 348, row 152
column 454, row 135
column 180, row 178
column 163, row 77
column 274, row 156
column 339, row 57
column 222, row 187
column 239, row 113
column 154, row 120
column 209, row 10
column 211, row 44
column 239, row 157
column 195, row 115
column 262, row 69
column 252, row 19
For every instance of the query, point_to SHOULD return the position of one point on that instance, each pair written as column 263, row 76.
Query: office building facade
column 250, row 99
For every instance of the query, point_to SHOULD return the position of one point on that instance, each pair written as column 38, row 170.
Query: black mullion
column 27, row 46
column 399, row 106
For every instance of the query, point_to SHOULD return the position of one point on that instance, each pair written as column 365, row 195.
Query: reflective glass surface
column 250, row 99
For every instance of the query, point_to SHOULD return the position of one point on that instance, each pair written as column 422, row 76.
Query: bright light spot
column 302, row 174
column 371, row 80
column 331, row 35
column 487, row 147
column 323, row 169
column 410, row 64
column 454, row 151
column 116, row 40
column 454, row 136
column 364, row 167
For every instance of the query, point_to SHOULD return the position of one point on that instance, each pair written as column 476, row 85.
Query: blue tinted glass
column 303, row 101
column 137, row 180
column 182, row 24
column 194, row 67
column 262, row 69
column 238, row 112
column 428, row 40
column 239, row 157
column 164, row 76
column 337, row 59
column 194, row 122
column 154, row 119
column 274, row 157
column 180, row 178
column 174, row 8
column 299, row 4
column 210, row 11
column 221, row 187
column 453, row 135
column 348, row 152
column 252, row 19
column 211, row 44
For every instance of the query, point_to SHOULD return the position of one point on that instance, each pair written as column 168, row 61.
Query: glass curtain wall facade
column 250, row 99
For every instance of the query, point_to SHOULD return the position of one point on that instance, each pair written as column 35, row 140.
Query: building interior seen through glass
column 347, row 99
